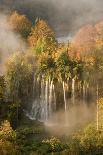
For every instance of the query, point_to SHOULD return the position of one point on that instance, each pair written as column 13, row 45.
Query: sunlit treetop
column 42, row 38
column 20, row 24
column 99, row 28
column 74, row 52
column 6, row 131
column 85, row 39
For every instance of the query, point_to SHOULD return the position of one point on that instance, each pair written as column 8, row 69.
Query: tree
column 85, row 39
column 63, row 64
column 88, row 141
column 46, row 67
column 91, row 139
column 7, row 139
column 20, row 24
column 68, row 67
column 3, row 106
column 2, row 88
column 42, row 38
column 99, row 29
column 19, row 79
column 100, row 114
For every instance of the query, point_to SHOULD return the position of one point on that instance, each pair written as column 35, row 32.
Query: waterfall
column 65, row 104
column 46, row 100
column 84, row 92
column 42, row 101
column 64, row 93
column 50, row 97
column 54, row 98
column 73, row 91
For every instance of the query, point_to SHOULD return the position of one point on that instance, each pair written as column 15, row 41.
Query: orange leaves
column 42, row 37
column 85, row 39
column 20, row 24
column 88, row 39
column 99, row 27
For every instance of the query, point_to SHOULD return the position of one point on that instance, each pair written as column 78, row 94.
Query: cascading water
column 73, row 91
column 50, row 98
column 84, row 92
column 39, row 108
column 45, row 102
column 64, row 93
column 54, row 98
column 65, row 103
column 42, row 102
column 42, row 107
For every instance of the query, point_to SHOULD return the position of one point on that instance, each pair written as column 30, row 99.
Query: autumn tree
column 20, row 24
column 42, row 38
column 85, row 39
column 99, row 29
column 7, row 139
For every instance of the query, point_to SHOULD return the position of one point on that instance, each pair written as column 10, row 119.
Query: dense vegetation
column 47, row 59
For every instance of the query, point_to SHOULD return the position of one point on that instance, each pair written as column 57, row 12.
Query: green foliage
column 54, row 143
column 19, row 78
column 50, row 61
column 19, row 84
column 24, row 141
column 100, row 113
column 14, row 114
column 2, row 88
column 68, row 68
column 90, row 140
column 63, row 64
column 46, row 67
column 3, row 106
column 42, row 38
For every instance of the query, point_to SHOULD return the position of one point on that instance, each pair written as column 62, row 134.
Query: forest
column 51, row 92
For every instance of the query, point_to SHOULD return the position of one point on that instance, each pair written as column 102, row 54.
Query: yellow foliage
column 20, row 24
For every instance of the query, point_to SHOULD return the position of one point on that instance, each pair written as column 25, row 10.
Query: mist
column 77, row 117
column 65, row 16
column 51, row 77
column 10, row 42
